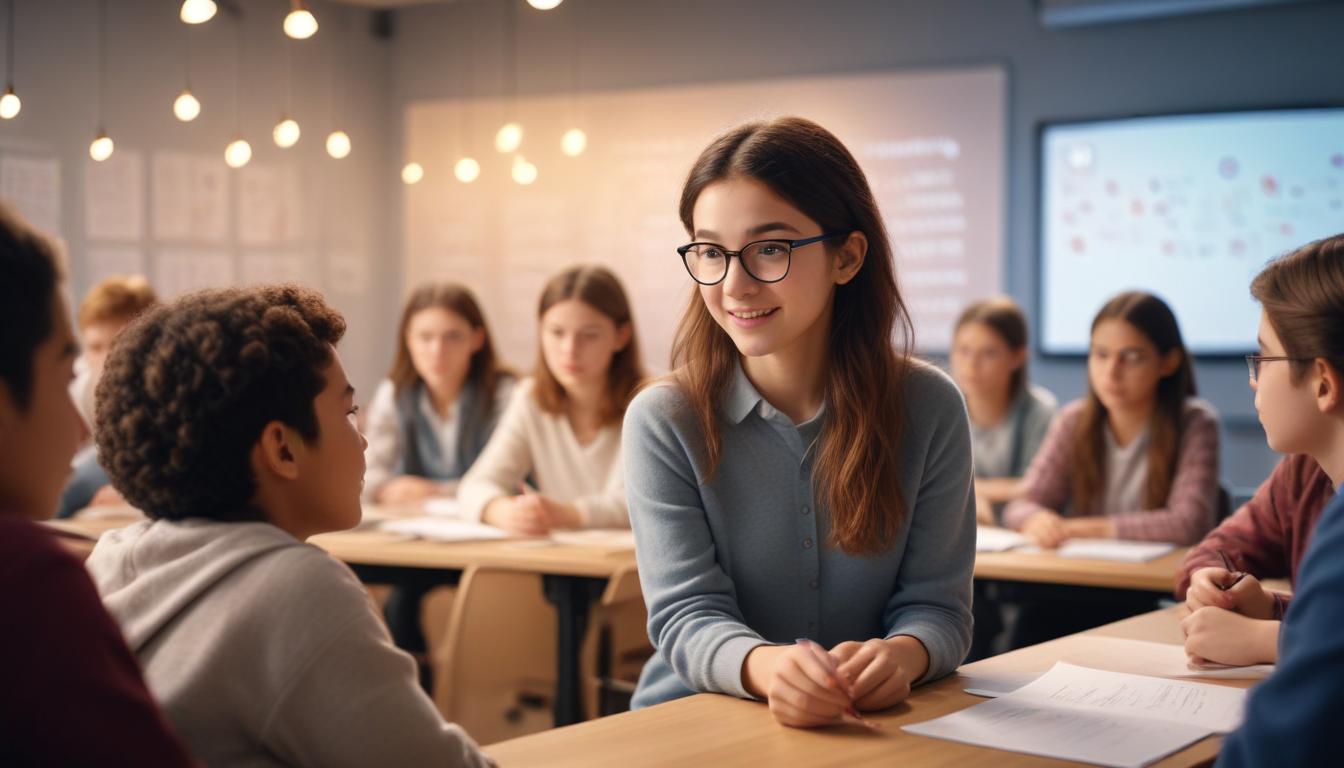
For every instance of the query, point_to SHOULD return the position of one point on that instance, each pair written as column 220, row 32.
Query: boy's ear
column 276, row 450
column 1329, row 396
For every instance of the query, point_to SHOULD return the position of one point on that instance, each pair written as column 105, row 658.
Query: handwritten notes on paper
column 114, row 197
column 32, row 186
column 1095, row 716
column 191, row 197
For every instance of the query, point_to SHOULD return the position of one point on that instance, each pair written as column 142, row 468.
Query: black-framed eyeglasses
column 765, row 261
column 1253, row 363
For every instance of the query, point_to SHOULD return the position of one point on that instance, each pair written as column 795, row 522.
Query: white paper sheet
column 1141, row 657
column 190, row 197
column 991, row 539
column 442, row 507
column 1095, row 716
column 269, row 205
column 32, row 186
column 114, row 197
column 1114, row 549
column 445, row 529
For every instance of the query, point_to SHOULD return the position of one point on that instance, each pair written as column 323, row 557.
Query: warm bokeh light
column 574, row 142
column 509, row 138
column 101, row 148
column 186, row 107
column 412, row 173
column 467, row 170
column 198, row 11
column 238, row 153
column 338, row 144
column 286, row 133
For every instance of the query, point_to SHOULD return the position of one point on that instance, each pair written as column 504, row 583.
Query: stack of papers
column 991, row 539
column 1114, row 549
column 1094, row 716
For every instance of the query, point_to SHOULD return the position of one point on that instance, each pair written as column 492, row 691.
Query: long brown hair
column 600, row 289
column 1004, row 317
column 485, row 369
column 1303, row 296
column 1152, row 317
column 856, row 472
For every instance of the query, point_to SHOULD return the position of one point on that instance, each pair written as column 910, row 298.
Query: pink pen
column 839, row 679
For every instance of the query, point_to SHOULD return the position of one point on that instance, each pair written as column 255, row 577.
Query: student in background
column 432, row 416
column 800, row 475
column 430, row 419
column 1298, row 377
column 1266, row 539
column 228, row 418
column 1137, row 458
column 72, row 693
column 1009, row 415
column 563, row 427
column 107, row 308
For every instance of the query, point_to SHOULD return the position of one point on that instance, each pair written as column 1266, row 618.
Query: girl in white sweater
column 562, row 430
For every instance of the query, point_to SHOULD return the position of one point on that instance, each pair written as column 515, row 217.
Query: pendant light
column 238, row 153
column 186, row 107
column 300, row 23
column 197, row 11
column 286, row 132
column 9, row 102
column 101, row 147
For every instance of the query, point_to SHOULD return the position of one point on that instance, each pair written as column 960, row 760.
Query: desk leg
column 572, row 597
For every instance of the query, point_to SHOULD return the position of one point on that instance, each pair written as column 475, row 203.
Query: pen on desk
column 840, row 681
column 1227, row 564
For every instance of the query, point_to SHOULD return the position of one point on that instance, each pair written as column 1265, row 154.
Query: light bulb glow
column 412, row 173
column 509, row 138
column 10, row 104
column 338, row 144
column 574, row 142
column 238, row 153
column 198, row 11
column 300, row 24
column 286, row 133
column 101, row 148
column 544, row 5
column 467, row 170
column 186, row 107
column 523, row 172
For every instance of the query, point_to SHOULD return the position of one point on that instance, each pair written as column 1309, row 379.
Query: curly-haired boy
column 228, row 418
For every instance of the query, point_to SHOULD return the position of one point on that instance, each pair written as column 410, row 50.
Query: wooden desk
column 1047, row 568
column 719, row 730
column 573, row 577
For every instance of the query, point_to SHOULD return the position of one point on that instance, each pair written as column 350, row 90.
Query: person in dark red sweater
column 1267, row 539
column 71, row 693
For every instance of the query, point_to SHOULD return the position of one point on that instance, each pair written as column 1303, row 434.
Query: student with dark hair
column 65, row 663
column 800, row 474
column 432, row 416
column 563, row 426
column 1009, row 415
column 228, row 418
column 1137, row 458
column 1298, row 378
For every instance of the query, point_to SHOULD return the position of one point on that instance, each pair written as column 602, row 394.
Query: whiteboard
column 931, row 143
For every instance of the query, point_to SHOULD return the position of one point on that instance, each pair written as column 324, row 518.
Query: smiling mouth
column 752, row 314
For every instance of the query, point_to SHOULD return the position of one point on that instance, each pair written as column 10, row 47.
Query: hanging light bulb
column 186, row 106
column 509, row 138
column 198, row 11
column 574, row 142
column 338, row 144
column 523, row 172
column 286, row 133
column 300, row 24
column 101, row 148
column 544, row 5
column 467, row 170
column 10, row 104
column 238, row 153
column 412, row 173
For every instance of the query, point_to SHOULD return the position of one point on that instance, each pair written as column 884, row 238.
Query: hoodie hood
column 149, row 573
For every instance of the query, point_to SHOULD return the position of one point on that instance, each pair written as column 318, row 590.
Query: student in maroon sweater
column 1267, row 539
column 71, row 693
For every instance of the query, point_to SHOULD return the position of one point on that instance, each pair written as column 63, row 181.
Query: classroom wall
column 335, row 242
column 1288, row 55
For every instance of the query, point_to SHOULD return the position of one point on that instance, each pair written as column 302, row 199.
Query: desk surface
column 373, row 547
column 720, row 730
column 1046, row 568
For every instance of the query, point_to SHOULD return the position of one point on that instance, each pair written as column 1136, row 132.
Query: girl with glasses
column 799, row 474
column 1291, row 717
column 563, row 427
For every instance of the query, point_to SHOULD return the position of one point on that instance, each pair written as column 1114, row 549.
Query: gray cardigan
column 742, row 561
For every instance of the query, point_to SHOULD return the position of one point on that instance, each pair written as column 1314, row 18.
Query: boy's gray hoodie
column 264, row 650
